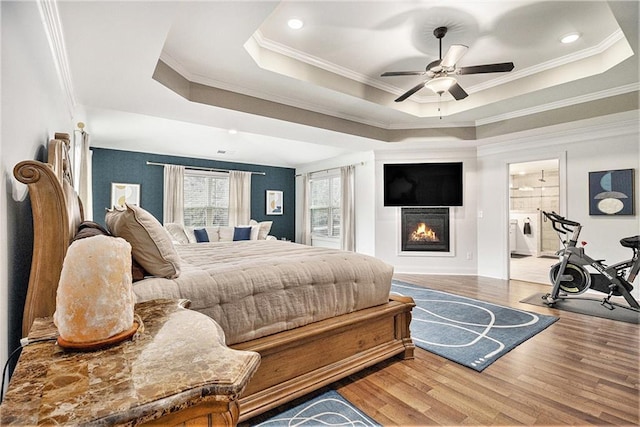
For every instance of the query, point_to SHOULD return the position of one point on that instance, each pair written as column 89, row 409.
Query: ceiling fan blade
column 453, row 55
column 403, row 73
column 457, row 92
column 489, row 68
column 410, row 92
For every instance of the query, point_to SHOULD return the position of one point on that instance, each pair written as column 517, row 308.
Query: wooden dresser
column 175, row 370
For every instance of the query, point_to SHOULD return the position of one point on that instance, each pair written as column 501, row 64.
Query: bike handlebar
column 564, row 223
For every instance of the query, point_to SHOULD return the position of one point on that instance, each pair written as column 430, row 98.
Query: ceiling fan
column 439, row 72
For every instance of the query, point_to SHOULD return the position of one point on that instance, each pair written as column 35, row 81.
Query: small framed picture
column 611, row 192
column 125, row 193
column 274, row 202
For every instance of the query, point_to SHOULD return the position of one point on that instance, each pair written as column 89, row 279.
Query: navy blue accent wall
column 131, row 168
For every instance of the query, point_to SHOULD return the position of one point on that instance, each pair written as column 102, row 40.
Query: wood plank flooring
column 582, row 370
column 531, row 269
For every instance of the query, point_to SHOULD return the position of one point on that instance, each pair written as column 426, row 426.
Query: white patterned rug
column 467, row 331
column 328, row 409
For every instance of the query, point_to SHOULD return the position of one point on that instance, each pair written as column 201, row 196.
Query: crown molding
column 297, row 55
column 53, row 29
column 619, row 124
column 278, row 48
column 633, row 87
column 598, row 49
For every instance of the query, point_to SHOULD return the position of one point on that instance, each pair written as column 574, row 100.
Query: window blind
column 325, row 206
column 206, row 198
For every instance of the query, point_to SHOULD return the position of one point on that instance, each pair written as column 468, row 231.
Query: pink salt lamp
column 95, row 300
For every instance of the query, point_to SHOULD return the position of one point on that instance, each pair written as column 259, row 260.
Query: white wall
column 605, row 143
column 377, row 227
column 33, row 109
column 387, row 232
column 482, row 224
column 365, row 195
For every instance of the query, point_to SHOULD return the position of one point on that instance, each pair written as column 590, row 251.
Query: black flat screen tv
column 423, row 184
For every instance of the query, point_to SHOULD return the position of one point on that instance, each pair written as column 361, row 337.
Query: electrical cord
column 23, row 343
column 4, row 371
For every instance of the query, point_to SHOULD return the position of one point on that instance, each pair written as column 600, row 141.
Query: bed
column 338, row 317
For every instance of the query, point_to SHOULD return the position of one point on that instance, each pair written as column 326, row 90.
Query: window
column 206, row 198
column 325, row 206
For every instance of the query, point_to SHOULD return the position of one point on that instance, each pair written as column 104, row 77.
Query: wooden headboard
column 57, row 212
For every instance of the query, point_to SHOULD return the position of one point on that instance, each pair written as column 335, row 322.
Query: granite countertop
column 177, row 359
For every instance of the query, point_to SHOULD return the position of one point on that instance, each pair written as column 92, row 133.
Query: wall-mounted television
column 423, row 184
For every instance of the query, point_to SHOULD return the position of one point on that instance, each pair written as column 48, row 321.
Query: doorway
column 533, row 187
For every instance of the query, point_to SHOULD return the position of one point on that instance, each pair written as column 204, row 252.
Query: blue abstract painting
column 611, row 192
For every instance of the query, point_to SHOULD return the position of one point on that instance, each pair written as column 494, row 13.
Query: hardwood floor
column 582, row 370
column 532, row 269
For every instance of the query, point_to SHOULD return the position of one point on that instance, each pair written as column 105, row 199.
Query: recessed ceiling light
column 232, row 131
column 570, row 38
column 295, row 23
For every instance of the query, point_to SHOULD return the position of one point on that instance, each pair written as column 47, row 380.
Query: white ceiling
column 300, row 96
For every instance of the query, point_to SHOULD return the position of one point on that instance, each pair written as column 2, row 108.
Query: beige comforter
column 257, row 288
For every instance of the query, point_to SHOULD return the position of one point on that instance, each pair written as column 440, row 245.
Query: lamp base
column 99, row 344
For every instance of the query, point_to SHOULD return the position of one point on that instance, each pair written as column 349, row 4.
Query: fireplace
column 425, row 230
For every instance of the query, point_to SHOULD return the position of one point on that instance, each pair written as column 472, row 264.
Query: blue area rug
column 470, row 332
column 328, row 409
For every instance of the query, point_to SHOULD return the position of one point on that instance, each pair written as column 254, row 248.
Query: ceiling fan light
column 440, row 84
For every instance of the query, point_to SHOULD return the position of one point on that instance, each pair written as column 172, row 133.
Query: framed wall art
column 274, row 202
column 611, row 192
column 125, row 193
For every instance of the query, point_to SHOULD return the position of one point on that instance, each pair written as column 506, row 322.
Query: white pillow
column 189, row 231
column 226, row 234
column 214, row 233
column 265, row 227
column 255, row 232
column 177, row 233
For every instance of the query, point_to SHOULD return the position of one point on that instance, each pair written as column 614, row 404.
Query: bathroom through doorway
column 533, row 187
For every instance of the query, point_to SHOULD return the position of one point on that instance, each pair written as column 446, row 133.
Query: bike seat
column 632, row 242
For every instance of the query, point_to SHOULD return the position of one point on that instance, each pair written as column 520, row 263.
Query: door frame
column 562, row 182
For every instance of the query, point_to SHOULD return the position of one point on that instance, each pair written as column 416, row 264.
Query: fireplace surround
column 425, row 230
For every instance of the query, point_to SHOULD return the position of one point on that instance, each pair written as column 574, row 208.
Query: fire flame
column 423, row 234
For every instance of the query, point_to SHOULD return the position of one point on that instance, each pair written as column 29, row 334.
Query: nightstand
column 176, row 369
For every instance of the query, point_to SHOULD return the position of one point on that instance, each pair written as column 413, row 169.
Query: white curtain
column 348, row 207
column 239, row 198
column 173, row 204
column 84, row 177
column 305, row 234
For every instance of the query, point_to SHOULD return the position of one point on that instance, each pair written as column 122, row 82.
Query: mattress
column 257, row 288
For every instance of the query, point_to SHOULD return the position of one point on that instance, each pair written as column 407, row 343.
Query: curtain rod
column 331, row 169
column 203, row 168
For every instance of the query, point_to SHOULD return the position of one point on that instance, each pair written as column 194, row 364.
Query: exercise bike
column 571, row 277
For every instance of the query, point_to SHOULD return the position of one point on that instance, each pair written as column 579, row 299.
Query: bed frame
column 293, row 362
